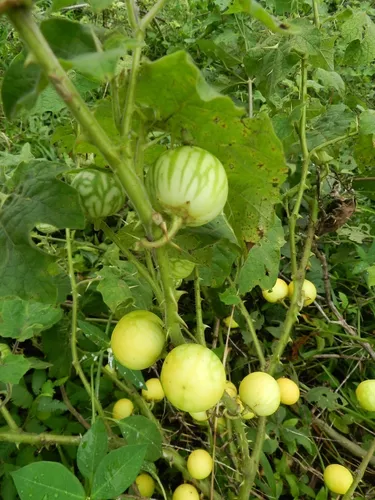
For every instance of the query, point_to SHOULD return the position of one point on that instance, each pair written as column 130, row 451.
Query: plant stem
column 258, row 447
column 246, row 465
column 316, row 13
column 130, row 257
column 29, row 31
column 8, row 418
column 151, row 14
column 73, row 340
column 253, row 333
column 198, row 309
column 39, row 439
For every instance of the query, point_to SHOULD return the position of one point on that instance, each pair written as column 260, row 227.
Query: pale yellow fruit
column 230, row 389
column 308, row 292
column 246, row 415
column 289, row 391
column 199, row 416
column 154, row 391
column 338, row 478
column 230, row 322
column 278, row 292
column 145, row 485
column 261, row 393
column 185, row 492
column 365, row 393
column 123, row 408
column 199, row 464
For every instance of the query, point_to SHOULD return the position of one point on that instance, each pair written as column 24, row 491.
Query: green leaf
column 319, row 49
column 92, row 449
column 37, row 196
column 359, row 33
column 330, row 80
column 12, row 368
column 21, row 320
column 117, row 471
column 262, row 264
column 100, row 66
column 324, row 398
column 140, row 430
column 135, row 377
column 99, row 5
column 248, row 148
column 47, row 480
column 56, row 347
column 335, row 122
column 367, row 122
column 215, row 52
column 95, row 334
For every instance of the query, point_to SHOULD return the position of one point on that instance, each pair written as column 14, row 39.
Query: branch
column 361, row 471
column 72, row 410
column 39, row 439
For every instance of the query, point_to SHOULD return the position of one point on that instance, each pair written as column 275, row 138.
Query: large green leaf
column 92, row 449
column 12, row 368
column 37, row 196
column 358, row 32
column 249, row 149
column 140, row 430
column 47, row 480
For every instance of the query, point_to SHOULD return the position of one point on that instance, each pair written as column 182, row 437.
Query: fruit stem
column 167, row 237
column 198, row 309
column 360, row 471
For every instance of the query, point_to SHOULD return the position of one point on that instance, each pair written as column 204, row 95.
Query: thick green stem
column 198, row 309
column 8, row 418
column 316, row 13
column 247, row 480
column 39, row 439
column 29, row 31
column 258, row 447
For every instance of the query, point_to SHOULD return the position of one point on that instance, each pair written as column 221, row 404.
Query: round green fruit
column 199, row 416
column 145, row 484
column 190, row 183
column 185, row 492
column 289, row 391
column 365, row 393
column 261, row 393
column 154, row 391
column 138, row 340
column 308, row 292
column 100, row 192
column 193, row 378
column 199, row 464
column 338, row 478
column 123, row 408
column 278, row 292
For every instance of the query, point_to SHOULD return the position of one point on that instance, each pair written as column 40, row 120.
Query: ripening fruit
column 185, row 492
column 100, row 192
column 145, row 485
column 308, row 292
column 246, row 415
column 230, row 389
column 193, row 378
column 230, row 322
column 338, row 478
column 278, row 292
column 123, row 408
column 289, row 391
column 199, row 464
column 261, row 393
column 138, row 340
column 365, row 393
column 199, row 416
column 154, row 391
column 190, row 183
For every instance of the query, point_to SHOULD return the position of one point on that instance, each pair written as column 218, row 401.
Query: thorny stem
column 39, row 439
column 246, row 465
column 9, row 419
column 198, row 308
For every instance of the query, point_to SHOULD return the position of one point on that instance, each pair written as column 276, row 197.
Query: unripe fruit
column 365, row 393
column 229, row 322
column 193, row 378
column 289, row 391
column 199, row 416
column 199, row 464
column 261, row 393
column 185, row 492
column 154, row 391
column 278, row 292
column 308, row 292
column 123, row 408
column 246, row 415
column 138, row 340
column 230, row 389
column 145, row 485
column 338, row 478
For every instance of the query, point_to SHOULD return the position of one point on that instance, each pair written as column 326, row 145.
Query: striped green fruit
column 190, row 183
column 100, row 193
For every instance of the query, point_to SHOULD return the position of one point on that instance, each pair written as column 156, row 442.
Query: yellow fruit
column 138, row 340
column 230, row 322
column 185, row 492
column 246, row 415
column 230, row 389
column 261, row 393
column 289, row 391
column 199, row 464
column 123, row 408
column 365, row 393
column 221, row 424
column 308, row 292
column 193, row 378
column 338, row 478
column 154, row 391
column 278, row 292
column 145, row 485
column 199, row 416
